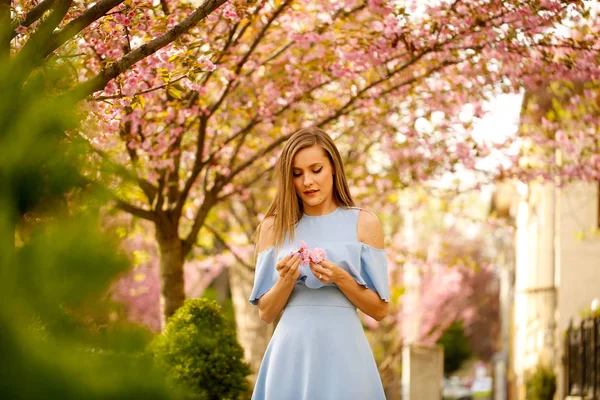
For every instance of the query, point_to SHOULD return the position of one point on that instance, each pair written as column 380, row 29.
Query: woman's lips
column 311, row 193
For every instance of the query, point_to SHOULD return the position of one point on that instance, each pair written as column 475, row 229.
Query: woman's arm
column 369, row 231
column 366, row 300
column 272, row 302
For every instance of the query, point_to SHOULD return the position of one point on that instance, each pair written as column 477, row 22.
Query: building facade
column 557, row 273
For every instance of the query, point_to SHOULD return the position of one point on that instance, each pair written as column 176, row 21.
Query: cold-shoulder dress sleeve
column 373, row 271
column 265, row 274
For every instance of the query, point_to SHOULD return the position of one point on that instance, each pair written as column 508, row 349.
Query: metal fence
column 582, row 359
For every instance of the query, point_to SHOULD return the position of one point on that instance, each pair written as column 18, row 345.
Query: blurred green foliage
column 57, row 340
column 456, row 348
column 541, row 384
column 199, row 350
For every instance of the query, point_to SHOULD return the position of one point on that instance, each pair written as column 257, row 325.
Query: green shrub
column 456, row 348
column 541, row 385
column 199, row 351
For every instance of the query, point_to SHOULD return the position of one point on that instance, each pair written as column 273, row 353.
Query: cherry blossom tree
column 46, row 32
column 200, row 121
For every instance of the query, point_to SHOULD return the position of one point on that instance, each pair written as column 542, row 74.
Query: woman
column 319, row 349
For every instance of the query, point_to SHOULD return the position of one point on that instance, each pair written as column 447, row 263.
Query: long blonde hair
column 287, row 208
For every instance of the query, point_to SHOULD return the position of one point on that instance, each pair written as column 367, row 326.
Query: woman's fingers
column 320, row 272
column 292, row 265
column 288, row 264
column 282, row 262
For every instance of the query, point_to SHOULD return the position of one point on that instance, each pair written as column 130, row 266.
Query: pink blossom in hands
column 304, row 253
column 307, row 255
column 317, row 255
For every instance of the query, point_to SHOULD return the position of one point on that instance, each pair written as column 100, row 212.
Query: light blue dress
column 319, row 350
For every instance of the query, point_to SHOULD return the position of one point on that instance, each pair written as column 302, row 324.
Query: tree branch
column 33, row 15
column 32, row 54
column 258, row 155
column 173, row 176
column 231, row 41
column 320, row 29
column 165, row 7
column 148, row 189
column 106, row 75
column 241, row 223
column 207, row 205
column 257, row 120
column 92, row 14
column 259, row 37
column 224, row 244
column 152, row 89
column 196, row 169
column 133, row 210
column 160, row 198
column 248, row 183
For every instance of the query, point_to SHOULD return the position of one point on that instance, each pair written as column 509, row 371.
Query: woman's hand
column 327, row 271
column 287, row 267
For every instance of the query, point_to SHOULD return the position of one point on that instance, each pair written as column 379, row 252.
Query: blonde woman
column 319, row 349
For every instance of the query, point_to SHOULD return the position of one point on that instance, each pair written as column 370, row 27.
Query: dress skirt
column 318, row 352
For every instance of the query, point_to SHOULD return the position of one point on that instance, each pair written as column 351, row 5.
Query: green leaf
column 174, row 92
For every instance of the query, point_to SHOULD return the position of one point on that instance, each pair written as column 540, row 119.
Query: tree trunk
column 253, row 334
column 171, row 273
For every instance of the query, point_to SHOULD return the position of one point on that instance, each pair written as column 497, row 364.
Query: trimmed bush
column 541, row 385
column 456, row 348
column 199, row 351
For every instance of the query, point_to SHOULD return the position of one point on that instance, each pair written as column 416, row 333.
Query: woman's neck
column 321, row 209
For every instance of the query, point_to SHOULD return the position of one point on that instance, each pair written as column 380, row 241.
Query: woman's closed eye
column 316, row 171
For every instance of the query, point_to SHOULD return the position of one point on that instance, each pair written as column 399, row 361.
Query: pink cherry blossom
column 317, row 255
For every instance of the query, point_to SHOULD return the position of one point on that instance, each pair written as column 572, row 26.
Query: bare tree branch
column 106, row 75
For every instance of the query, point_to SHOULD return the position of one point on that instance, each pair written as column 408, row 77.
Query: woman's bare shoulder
column 369, row 230
column 266, row 234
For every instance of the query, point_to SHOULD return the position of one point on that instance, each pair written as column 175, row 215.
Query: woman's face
column 313, row 176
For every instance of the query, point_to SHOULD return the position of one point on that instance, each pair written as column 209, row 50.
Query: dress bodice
column 336, row 233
